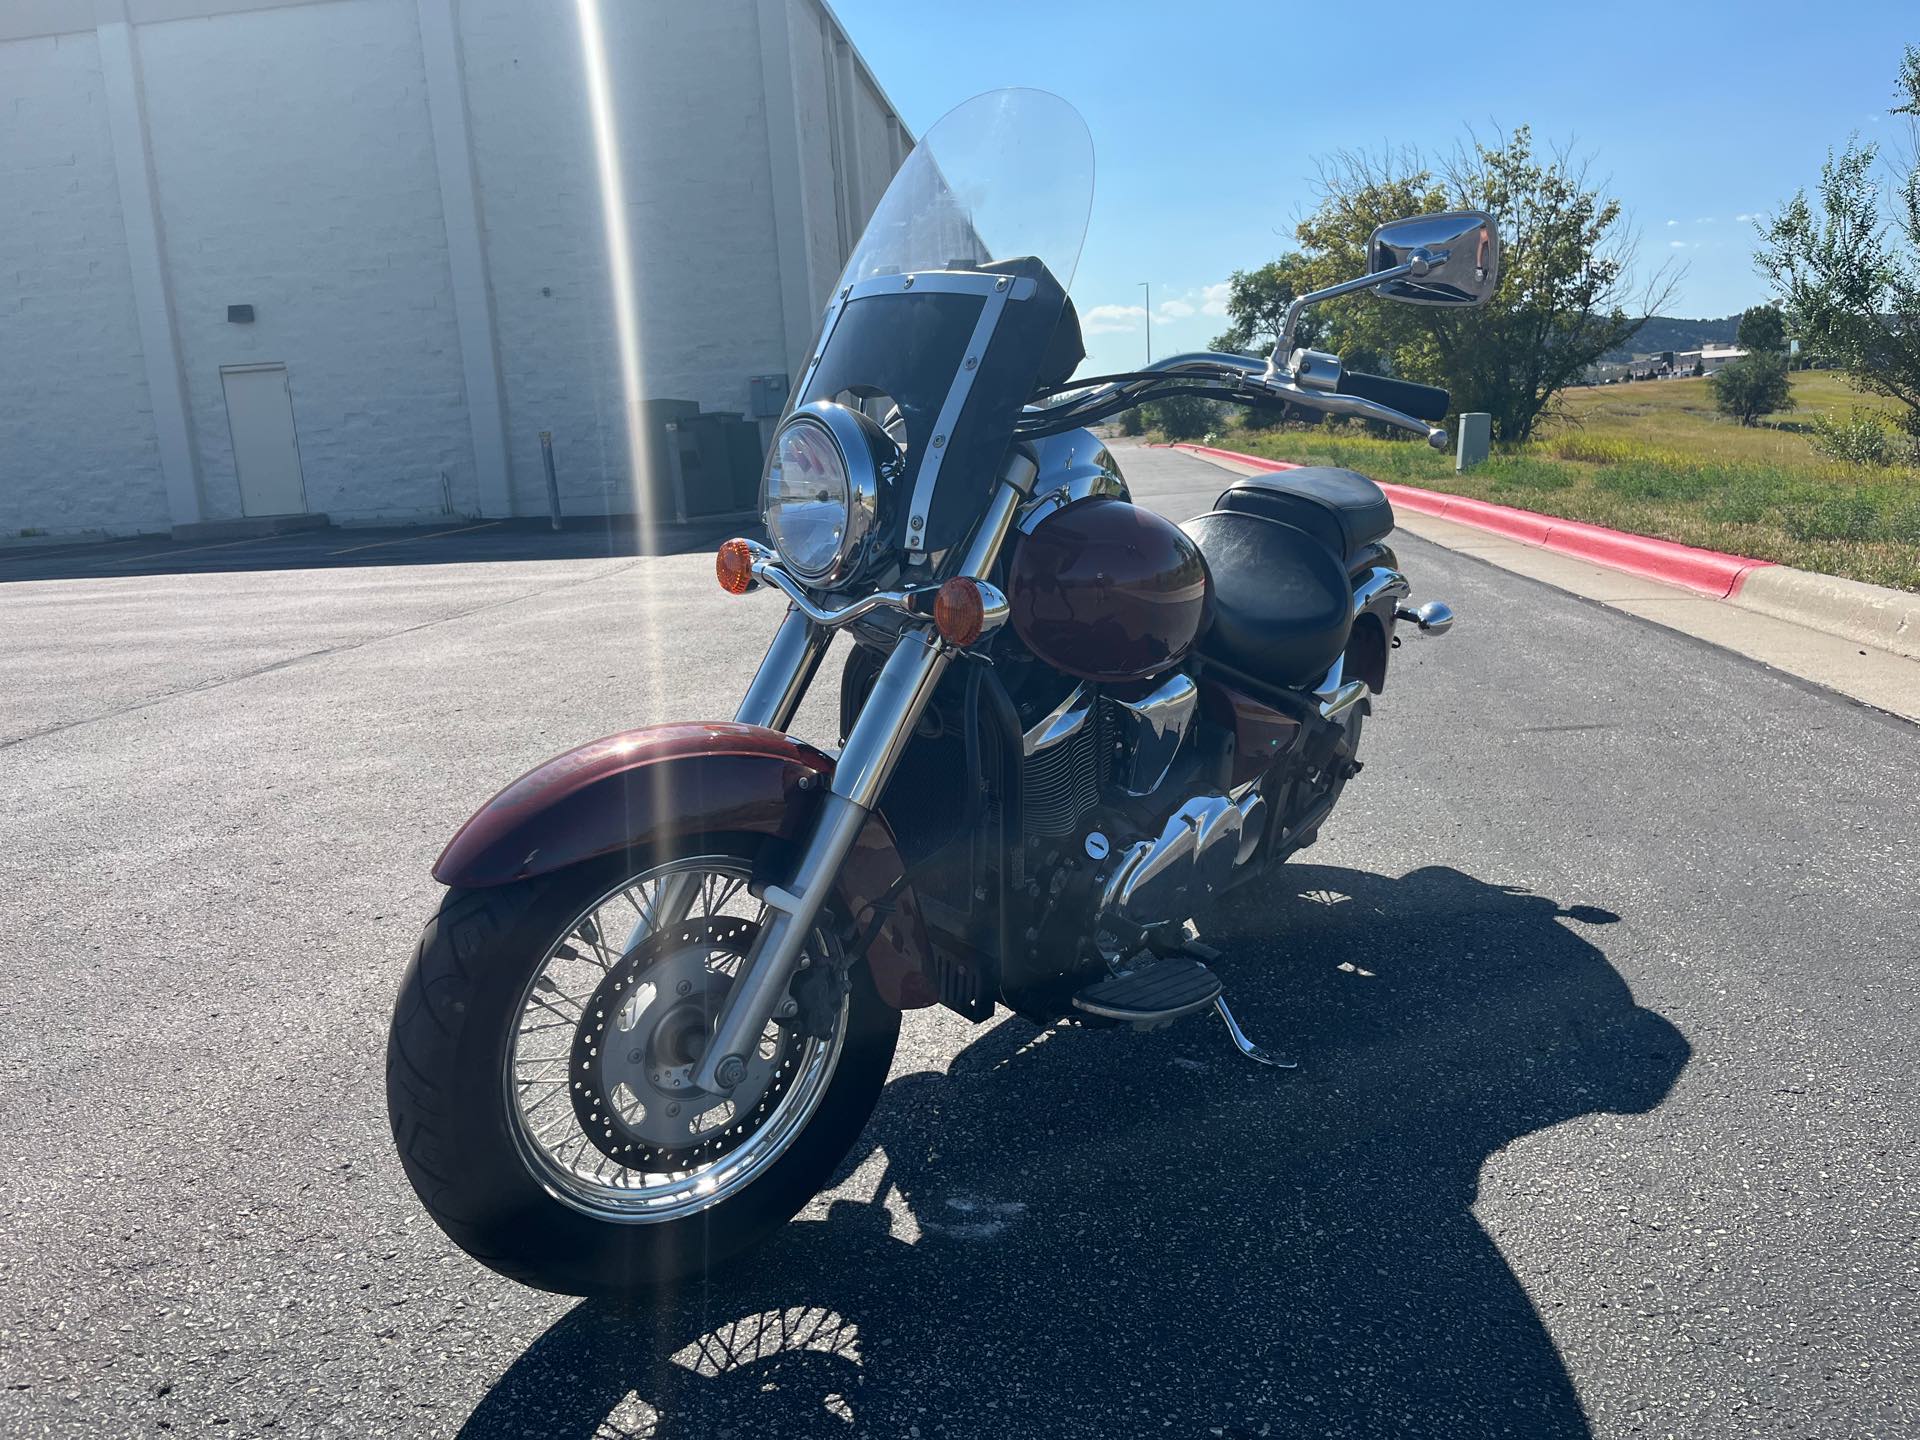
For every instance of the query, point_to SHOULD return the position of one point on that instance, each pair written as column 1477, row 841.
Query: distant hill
column 1670, row 332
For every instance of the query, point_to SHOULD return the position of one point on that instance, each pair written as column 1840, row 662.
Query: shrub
column 1741, row 505
column 1753, row 386
column 1131, row 423
column 1182, row 417
column 1903, row 523
column 1837, row 517
column 1863, row 438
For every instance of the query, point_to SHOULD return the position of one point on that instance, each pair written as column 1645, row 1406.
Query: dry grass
column 1653, row 458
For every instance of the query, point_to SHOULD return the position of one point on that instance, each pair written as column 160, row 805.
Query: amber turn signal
column 734, row 565
column 960, row 611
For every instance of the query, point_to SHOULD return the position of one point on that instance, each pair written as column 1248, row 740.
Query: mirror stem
column 1314, row 297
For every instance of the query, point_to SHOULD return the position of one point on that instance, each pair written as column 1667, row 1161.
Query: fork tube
column 874, row 745
column 784, row 675
column 791, row 662
column 881, row 732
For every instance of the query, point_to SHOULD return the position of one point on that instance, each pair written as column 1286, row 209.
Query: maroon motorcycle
column 660, row 997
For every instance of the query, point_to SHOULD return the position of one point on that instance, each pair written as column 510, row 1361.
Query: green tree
column 1763, row 328
column 1257, row 301
column 1181, row 417
column 1752, row 386
column 1699, row 367
column 1565, row 296
column 1845, row 263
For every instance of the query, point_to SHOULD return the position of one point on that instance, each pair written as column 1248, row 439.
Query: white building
column 350, row 257
column 1713, row 357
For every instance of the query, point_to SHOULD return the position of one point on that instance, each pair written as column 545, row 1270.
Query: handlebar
column 1229, row 377
column 1423, row 402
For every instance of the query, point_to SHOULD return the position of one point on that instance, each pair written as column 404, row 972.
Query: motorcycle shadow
column 1104, row 1233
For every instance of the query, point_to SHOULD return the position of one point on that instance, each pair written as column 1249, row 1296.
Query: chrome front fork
column 791, row 662
column 873, row 747
column 879, row 735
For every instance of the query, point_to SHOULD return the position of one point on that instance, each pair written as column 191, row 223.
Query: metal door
column 266, row 451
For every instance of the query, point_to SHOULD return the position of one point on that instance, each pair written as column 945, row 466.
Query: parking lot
column 1601, row 980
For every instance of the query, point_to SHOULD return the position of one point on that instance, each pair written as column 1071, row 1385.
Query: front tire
column 582, row 1215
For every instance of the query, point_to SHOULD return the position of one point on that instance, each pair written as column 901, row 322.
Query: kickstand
column 1245, row 1046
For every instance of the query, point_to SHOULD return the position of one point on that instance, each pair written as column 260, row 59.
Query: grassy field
column 1654, row 458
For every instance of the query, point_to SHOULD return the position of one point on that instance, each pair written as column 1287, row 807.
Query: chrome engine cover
column 1167, row 879
column 1152, row 729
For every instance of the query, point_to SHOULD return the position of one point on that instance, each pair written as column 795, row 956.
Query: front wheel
column 539, row 1073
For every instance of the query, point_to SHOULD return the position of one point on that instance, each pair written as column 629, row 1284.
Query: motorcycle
column 657, row 1004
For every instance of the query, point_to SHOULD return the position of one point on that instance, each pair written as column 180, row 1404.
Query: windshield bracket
column 928, row 477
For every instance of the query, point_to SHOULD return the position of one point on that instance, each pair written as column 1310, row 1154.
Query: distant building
column 264, row 257
column 1714, row 356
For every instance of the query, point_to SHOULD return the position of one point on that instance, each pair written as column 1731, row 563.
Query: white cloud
column 1672, row 223
column 1705, row 220
column 1174, row 310
column 1676, row 244
column 1213, row 299
column 1112, row 319
column 1747, row 219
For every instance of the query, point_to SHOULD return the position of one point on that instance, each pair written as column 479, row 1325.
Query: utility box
column 655, row 489
column 715, row 465
column 1476, row 440
column 766, row 395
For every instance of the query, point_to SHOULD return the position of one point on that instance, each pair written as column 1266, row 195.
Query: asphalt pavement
column 1601, row 980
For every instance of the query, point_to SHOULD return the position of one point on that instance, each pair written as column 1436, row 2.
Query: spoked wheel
column 540, row 1074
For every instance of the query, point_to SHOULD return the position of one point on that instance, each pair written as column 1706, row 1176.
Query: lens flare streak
column 613, row 199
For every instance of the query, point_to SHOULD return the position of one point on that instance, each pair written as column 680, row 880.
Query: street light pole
column 1149, row 289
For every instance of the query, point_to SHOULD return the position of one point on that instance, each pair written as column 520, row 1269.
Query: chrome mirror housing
column 1452, row 258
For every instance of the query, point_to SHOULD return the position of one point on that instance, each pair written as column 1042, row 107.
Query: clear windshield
column 1005, row 174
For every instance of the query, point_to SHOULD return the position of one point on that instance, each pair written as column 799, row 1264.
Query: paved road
column 1603, row 980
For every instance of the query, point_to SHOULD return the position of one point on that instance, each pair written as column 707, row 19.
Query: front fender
column 641, row 788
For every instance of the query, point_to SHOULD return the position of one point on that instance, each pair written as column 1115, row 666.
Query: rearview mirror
column 1451, row 259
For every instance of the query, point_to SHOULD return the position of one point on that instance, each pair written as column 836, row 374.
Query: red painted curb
column 1706, row 572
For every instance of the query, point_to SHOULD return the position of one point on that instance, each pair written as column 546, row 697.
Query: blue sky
column 1207, row 118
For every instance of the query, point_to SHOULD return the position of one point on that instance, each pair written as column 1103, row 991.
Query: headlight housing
column 829, row 472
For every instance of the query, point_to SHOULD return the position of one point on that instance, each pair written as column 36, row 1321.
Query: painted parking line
column 408, row 539
column 26, row 554
column 196, row 549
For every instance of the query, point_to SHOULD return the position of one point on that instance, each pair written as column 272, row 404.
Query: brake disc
column 642, row 1034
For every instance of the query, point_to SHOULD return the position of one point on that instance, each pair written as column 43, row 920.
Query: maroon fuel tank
column 1104, row 590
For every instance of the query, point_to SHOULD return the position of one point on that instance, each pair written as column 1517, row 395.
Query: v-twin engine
column 1095, row 744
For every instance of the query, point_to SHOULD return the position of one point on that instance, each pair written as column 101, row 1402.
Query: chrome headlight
column 826, row 479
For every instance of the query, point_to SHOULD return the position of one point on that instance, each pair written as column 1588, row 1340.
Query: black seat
column 1345, row 509
column 1282, row 603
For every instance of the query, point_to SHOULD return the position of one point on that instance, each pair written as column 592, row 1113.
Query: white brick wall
column 294, row 170
column 77, row 448
column 693, row 156
column 294, row 165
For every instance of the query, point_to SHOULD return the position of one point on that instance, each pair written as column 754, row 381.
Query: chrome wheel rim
column 601, row 1044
